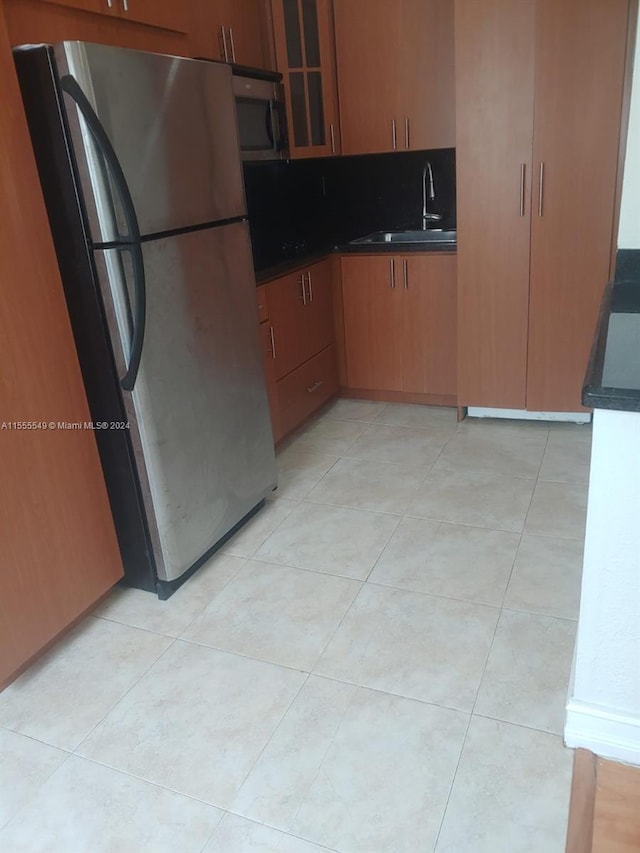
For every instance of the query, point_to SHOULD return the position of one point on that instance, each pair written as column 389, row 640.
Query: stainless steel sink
column 431, row 237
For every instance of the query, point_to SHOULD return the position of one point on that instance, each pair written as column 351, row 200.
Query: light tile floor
column 377, row 663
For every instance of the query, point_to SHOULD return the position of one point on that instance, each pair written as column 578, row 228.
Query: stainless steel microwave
column 260, row 108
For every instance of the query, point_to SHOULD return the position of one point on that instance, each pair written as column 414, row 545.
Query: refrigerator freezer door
column 172, row 124
column 198, row 411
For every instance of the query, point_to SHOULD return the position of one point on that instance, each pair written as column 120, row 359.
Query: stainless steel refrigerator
column 140, row 166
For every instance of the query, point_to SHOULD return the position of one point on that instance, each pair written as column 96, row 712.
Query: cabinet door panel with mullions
column 304, row 49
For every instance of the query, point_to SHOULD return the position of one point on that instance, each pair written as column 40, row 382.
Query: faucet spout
column 426, row 216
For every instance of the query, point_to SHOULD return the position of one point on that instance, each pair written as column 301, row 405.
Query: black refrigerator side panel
column 40, row 94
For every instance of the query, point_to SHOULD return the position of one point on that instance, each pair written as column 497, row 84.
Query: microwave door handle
column 269, row 120
column 276, row 126
column 132, row 243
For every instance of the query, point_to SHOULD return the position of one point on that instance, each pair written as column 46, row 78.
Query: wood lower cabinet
column 306, row 389
column 303, row 31
column 429, row 324
column 298, row 340
column 395, row 74
column 372, row 306
column 59, row 549
column 539, row 87
column 400, row 323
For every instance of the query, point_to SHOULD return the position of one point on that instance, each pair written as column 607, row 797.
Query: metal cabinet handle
column 225, row 52
column 109, row 4
column 407, row 144
column 233, row 47
column 394, row 134
column 310, row 286
column 392, row 270
column 304, row 290
column 523, row 179
column 405, row 270
column 314, row 386
column 332, row 131
column 541, row 190
column 125, row 5
column 273, row 342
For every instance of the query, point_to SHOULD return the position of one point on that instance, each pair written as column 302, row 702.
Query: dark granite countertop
column 304, row 259
column 612, row 380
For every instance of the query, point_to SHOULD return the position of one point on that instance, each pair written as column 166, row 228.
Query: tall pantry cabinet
column 538, row 105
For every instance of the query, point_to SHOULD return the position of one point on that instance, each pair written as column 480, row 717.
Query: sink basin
column 431, row 237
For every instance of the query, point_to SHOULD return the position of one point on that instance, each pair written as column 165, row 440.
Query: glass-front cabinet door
column 304, row 47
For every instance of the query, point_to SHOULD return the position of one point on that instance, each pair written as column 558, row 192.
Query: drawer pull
column 407, row 142
column 273, row 341
column 392, row 273
column 310, row 287
column 314, row 386
column 405, row 270
column 303, row 279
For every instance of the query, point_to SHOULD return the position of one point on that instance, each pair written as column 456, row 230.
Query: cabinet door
column 288, row 316
column 368, row 47
column 495, row 43
column 270, row 377
column 580, row 57
column 429, row 324
column 228, row 30
column 304, row 48
column 165, row 14
column 427, row 69
column 101, row 7
column 372, row 300
column 319, row 313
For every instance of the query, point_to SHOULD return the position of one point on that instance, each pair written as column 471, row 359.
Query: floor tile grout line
column 126, row 693
column 32, row 796
column 287, row 832
column 524, row 726
column 391, row 693
column 453, row 779
column 186, row 627
column 285, row 714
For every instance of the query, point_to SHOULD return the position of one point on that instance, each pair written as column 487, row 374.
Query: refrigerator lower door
column 198, row 411
column 172, row 124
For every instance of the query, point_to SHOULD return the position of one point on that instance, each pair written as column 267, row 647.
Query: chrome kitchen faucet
column 428, row 217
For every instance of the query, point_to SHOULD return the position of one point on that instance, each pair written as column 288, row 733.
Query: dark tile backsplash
column 628, row 265
column 298, row 207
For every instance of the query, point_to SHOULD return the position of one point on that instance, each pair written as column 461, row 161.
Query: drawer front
column 263, row 306
column 305, row 389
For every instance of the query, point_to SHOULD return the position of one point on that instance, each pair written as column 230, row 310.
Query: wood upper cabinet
column 579, row 79
column 372, row 305
column 368, row 39
column 229, row 30
column 400, row 322
column 157, row 13
column 427, row 74
column 303, row 32
column 395, row 74
column 539, row 99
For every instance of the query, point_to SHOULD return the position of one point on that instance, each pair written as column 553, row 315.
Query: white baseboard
column 608, row 733
column 522, row 415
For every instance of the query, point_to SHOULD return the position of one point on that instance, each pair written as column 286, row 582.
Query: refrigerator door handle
column 132, row 241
